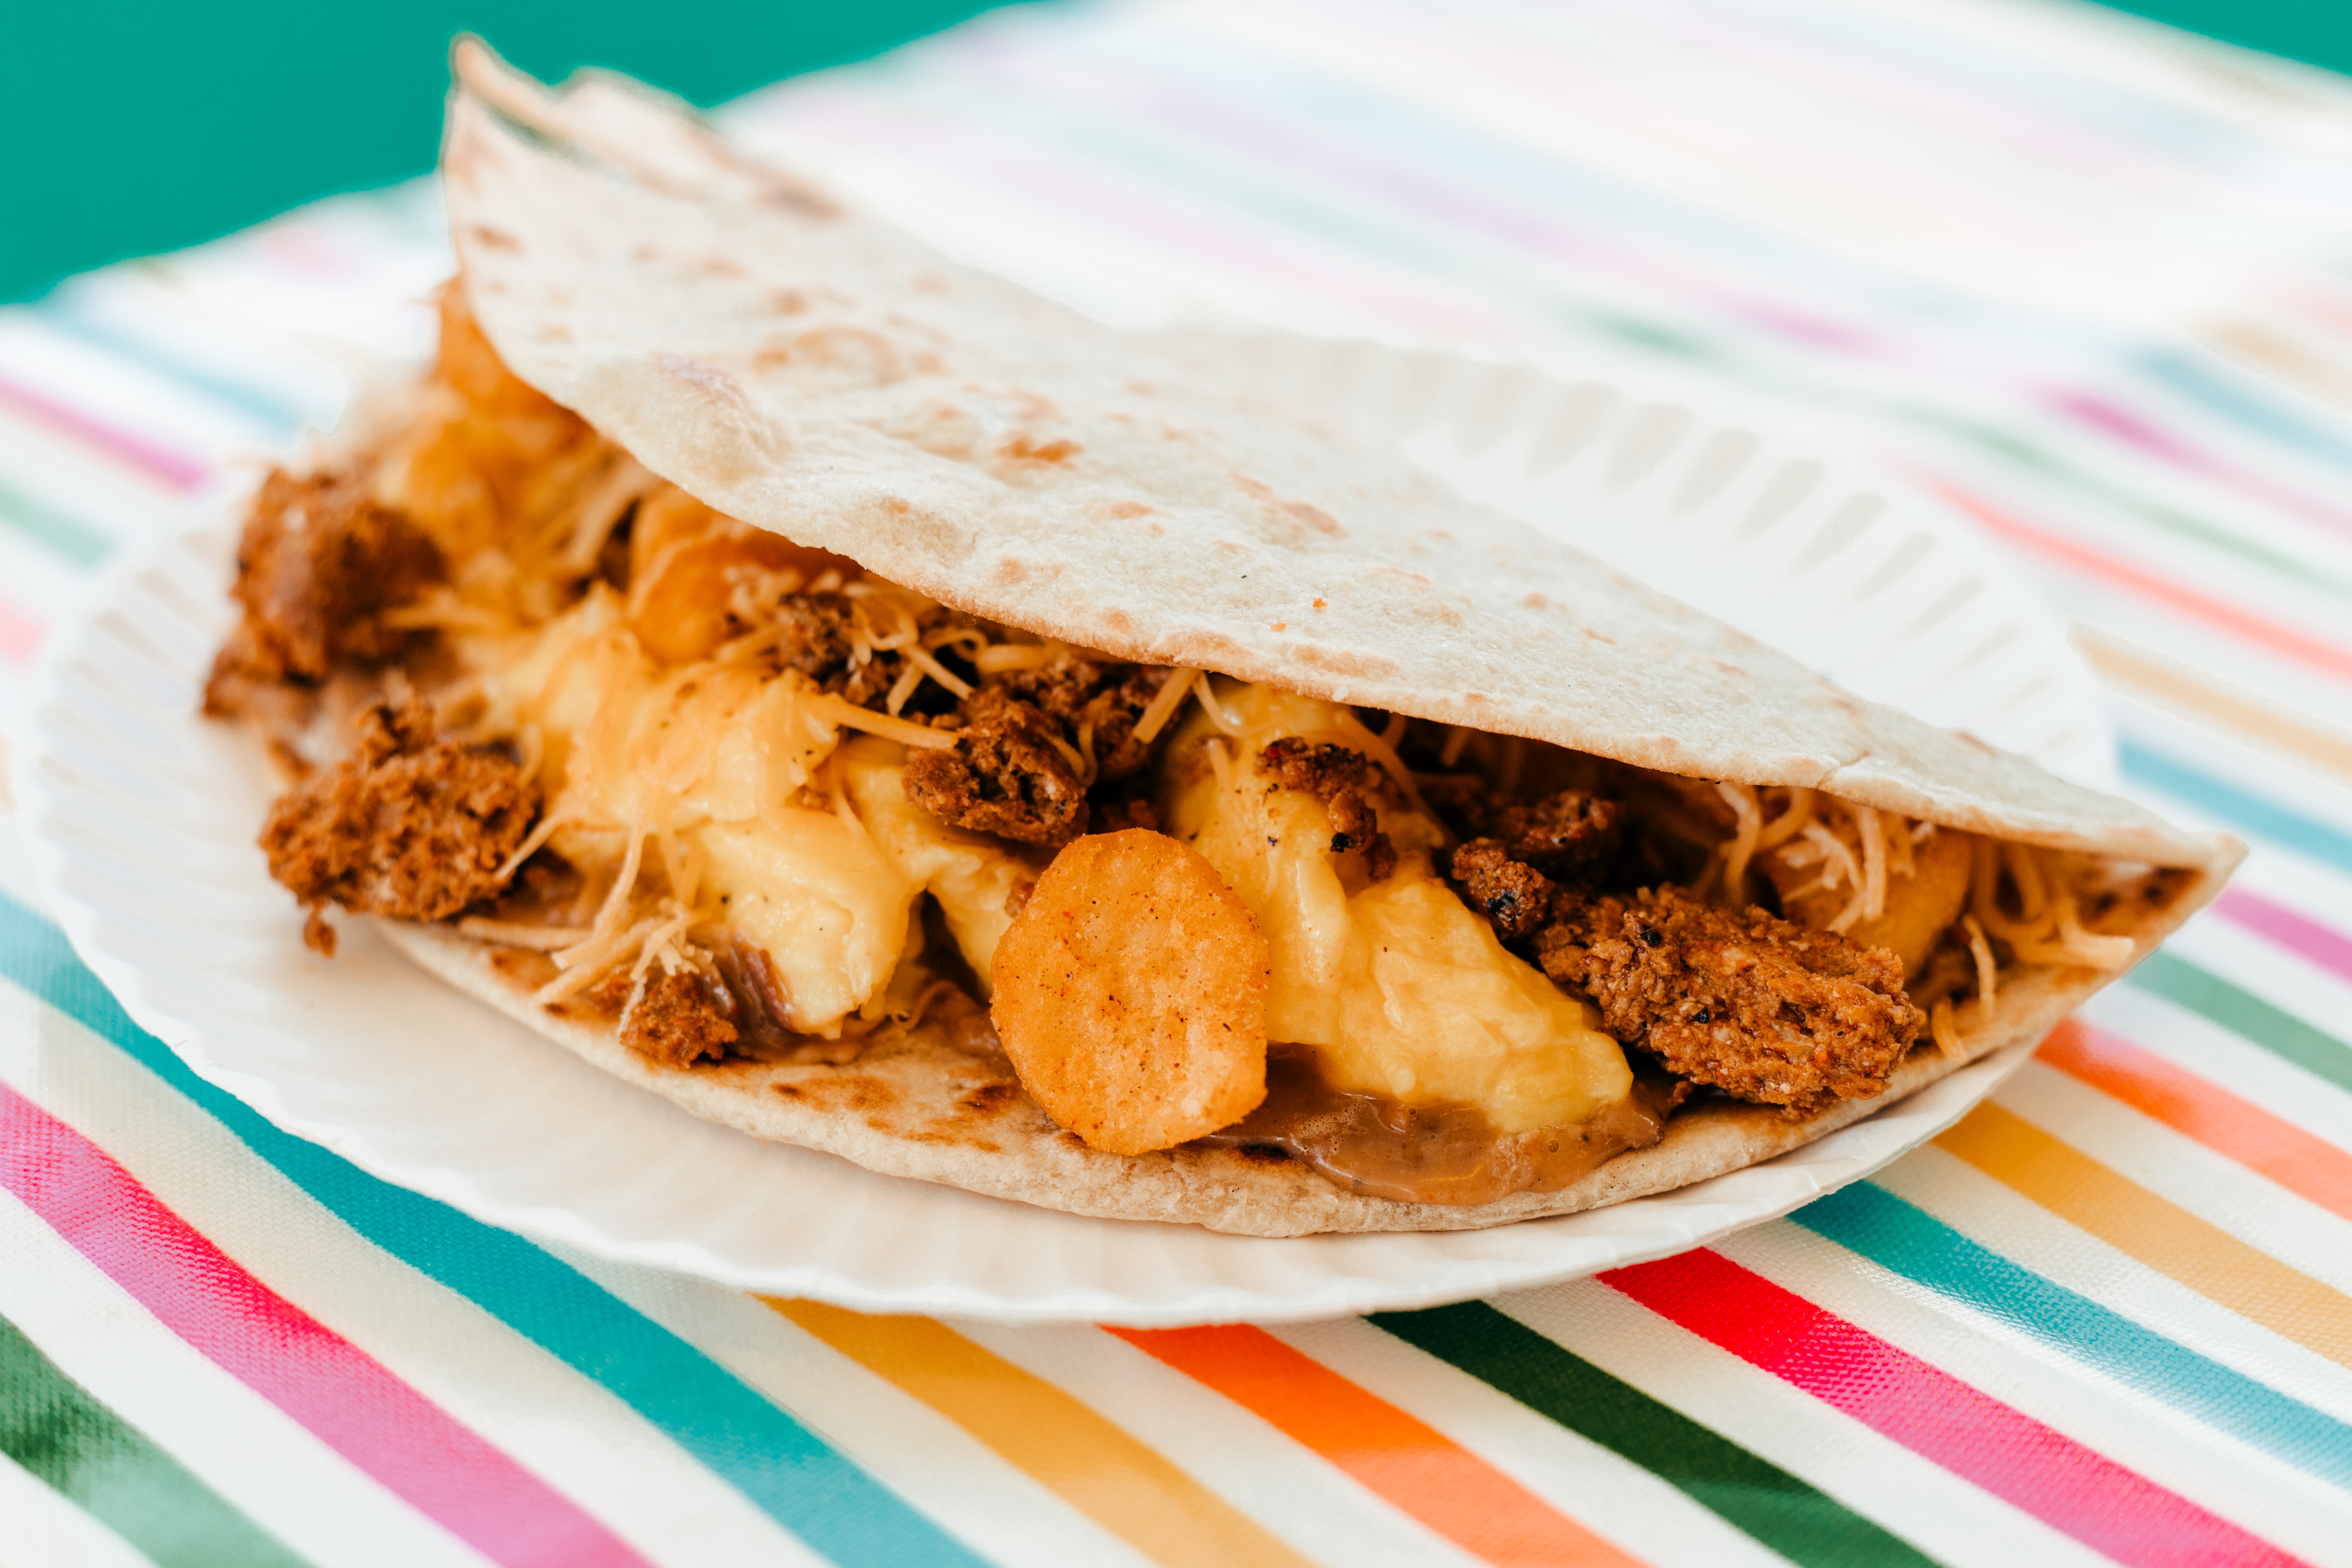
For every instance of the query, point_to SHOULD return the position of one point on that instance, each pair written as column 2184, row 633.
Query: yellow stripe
column 2151, row 675
column 2165, row 1236
column 1097, row 1468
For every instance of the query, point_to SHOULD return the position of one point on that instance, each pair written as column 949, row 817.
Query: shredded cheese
column 1223, row 764
column 533, row 841
column 1163, row 705
column 1456, row 738
column 581, row 965
column 1980, row 950
column 510, row 933
column 1840, row 870
column 1947, row 1035
column 937, row 671
column 832, row 710
column 903, row 687
column 1873, row 862
column 1741, row 798
column 1788, row 824
column 1383, row 753
column 1000, row 657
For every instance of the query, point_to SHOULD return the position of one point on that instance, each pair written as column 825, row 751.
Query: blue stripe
column 1868, row 1219
column 272, row 411
column 2239, row 807
column 783, row 1468
column 2200, row 384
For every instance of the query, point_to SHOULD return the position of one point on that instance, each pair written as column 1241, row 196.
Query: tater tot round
column 1130, row 994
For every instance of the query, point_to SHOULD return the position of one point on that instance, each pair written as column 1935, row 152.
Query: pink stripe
column 1017, row 168
column 174, row 468
column 2288, row 928
column 2134, row 431
column 2017, row 1458
column 20, row 634
column 347, row 1399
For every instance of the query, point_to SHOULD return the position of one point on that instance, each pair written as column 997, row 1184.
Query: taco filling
column 735, row 798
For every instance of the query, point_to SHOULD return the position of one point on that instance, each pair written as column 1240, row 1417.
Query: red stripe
column 2250, row 625
column 161, row 463
column 2017, row 1458
column 2288, row 928
column 347, row 1399
column 2200, row 1108
column 20, row 634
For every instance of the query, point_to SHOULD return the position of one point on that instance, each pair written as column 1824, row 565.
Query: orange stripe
column 2230, row 705
column 1099, row 1468
column 1384, row 1449
column 2161, row 1235
column 2200, row 1108
column 1419, row 1470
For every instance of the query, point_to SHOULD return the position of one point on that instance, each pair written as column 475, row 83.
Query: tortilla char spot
column 1118, row 511
column 1601, row 636
column 1110, row 617
column 989, row 1099
column 525, row 968
column 494, row 238
column 1020, row 449
column 718, row 266
column 847, row 1091
column 1730, row 669
column 787, row 301
column 1343, row 661
column 1314, row 517
column 1537, row 601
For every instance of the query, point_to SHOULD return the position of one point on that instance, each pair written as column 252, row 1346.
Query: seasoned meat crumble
column 408, row 825
column 1759, row 1007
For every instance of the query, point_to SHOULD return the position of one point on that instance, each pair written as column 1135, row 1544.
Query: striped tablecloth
column 2085, row 280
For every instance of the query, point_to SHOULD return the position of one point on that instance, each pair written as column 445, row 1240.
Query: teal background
column 131, row 128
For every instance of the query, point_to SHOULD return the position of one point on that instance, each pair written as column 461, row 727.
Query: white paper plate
column 142, row 819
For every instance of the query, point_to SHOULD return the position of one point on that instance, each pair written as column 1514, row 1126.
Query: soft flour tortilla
column 918, row 1107
column 813, row 372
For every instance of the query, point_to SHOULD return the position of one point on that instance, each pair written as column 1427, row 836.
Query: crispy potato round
column 1130, row 994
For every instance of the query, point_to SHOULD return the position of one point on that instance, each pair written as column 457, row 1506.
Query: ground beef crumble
column 678, row 1020
column 1335, row 775
column 318, row 565
column 1003, row 775
column 1759, row 1007
column 407, row 826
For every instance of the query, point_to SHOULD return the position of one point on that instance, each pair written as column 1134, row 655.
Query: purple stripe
column 177, row 469
column 2305, row 937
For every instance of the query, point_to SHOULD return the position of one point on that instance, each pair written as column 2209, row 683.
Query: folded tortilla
column 808, row 370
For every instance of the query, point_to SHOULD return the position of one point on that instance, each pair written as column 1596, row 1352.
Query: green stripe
column 52, row 1426
column 2242, row 1013
column 74, row 540
column 2229, row 541
column 1790, row 1516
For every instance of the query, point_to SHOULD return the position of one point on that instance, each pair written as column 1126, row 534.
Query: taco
column 884, row 711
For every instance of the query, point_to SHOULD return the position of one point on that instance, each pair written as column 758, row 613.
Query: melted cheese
column 970, row 875
column 821, row 897
column 715, row 758
column 1396, row 986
